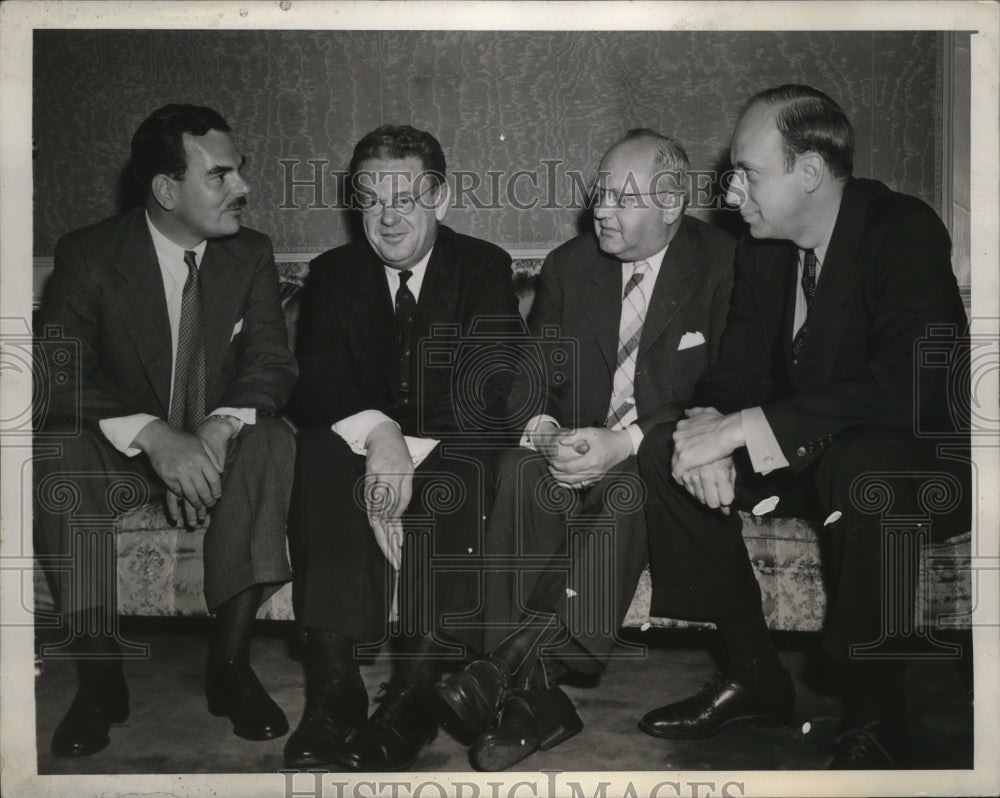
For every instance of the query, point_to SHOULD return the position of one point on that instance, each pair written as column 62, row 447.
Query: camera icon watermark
column 53, row 363
column 480, row 365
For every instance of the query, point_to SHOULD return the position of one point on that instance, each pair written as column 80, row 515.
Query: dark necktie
column 187, row 402
column 809, row 290
column 406, row 306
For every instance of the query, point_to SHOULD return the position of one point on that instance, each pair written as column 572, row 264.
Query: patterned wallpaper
column 548, row 103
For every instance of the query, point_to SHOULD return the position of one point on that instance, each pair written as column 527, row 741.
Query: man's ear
column 673, row 208
column 443, row 198
column 812, row 167
column 164, row 191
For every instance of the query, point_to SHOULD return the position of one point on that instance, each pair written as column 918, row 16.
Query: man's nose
column 240, row 186
column 735, row 192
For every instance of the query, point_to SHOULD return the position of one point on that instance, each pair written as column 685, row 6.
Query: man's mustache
column 237, row 204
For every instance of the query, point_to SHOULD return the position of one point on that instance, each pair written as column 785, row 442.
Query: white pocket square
column 690, row 339
column 236, row 329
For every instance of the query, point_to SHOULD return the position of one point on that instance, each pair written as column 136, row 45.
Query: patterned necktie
column 406, row 306
column 187, row 402
column 809, row 290
column 621, row 410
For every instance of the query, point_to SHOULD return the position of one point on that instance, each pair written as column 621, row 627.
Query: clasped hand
column 702, row 461
column 190, row 465
column 581, row 457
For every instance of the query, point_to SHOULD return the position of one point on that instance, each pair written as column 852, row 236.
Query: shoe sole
column 769, row 721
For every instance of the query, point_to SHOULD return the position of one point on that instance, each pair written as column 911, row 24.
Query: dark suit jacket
column 887, row 276
column 580, row 296
column 347, row 349
column 106, row 295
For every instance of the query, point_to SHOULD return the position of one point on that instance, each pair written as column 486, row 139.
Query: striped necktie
column 187, row 401
column 809, row 290
column 621, row 411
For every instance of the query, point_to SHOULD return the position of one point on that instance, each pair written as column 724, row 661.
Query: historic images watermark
column 547, row 784
column 310, row 184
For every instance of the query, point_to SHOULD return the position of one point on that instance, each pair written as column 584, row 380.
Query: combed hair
column 398, row 142
column 811, row 121
column 158, row 143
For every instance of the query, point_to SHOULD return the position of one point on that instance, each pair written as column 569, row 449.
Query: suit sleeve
column 331, row 385
column 70, row 382
column 912, row 287
column 740, row 373
column 721, row 273
column 530, row 397
column 266, row 369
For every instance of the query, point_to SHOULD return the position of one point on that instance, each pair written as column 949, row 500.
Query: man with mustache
column 815, row 394
column 179, row 367
column 639, row 304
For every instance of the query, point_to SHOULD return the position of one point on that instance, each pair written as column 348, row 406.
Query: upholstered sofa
column 160, row 568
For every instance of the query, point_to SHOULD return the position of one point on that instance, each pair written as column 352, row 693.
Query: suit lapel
column 440, row 288
column 371, row 307
column 671, row 291
column 602, row 302
column 221, row 285
column 834, row 290
column 143, row 306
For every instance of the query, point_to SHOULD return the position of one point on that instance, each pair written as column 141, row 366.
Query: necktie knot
column 404, row 276
column 190, row 260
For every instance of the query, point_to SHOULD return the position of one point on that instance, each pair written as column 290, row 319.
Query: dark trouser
column 82, row 485
column 575, row 553
column 891, row 492
column 344, row 584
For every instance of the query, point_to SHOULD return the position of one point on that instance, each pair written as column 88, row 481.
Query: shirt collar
column 417, row 270
column 171, row 255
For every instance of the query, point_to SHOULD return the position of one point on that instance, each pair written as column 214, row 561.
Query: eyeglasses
column 619, row 199
column 403, row 205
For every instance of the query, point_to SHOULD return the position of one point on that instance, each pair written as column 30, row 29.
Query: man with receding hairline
column 815, row 388
column 640, row 303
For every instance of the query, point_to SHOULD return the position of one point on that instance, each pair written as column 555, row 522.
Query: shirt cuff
column 122, row 430
column 242, row 415
column 636, row 434
column 532, row 425
column 355, row 429
column 762, row 446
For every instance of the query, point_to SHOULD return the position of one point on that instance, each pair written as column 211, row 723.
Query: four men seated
column 704, row 376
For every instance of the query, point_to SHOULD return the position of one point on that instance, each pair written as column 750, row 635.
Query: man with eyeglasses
column 391, row 445
column 640, row 303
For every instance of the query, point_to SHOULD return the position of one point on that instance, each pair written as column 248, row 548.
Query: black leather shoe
column 233, row 689
column 869, row 748
column 338, row 709
column 723, row 702
column 529, row 721
column 470, row 700
column 84, row 730
column 394, row 735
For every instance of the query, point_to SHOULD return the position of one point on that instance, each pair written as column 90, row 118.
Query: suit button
column 801, row 451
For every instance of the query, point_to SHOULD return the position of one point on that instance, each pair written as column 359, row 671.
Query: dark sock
column 521, row 648
column 420, row 662
column 233, row 625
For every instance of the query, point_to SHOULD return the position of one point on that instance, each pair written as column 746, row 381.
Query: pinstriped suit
column 106, row 295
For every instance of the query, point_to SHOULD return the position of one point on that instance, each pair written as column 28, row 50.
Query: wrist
column 234, row 424
column 735, row 436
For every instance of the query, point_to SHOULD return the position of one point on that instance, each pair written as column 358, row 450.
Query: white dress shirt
column 122, row 430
